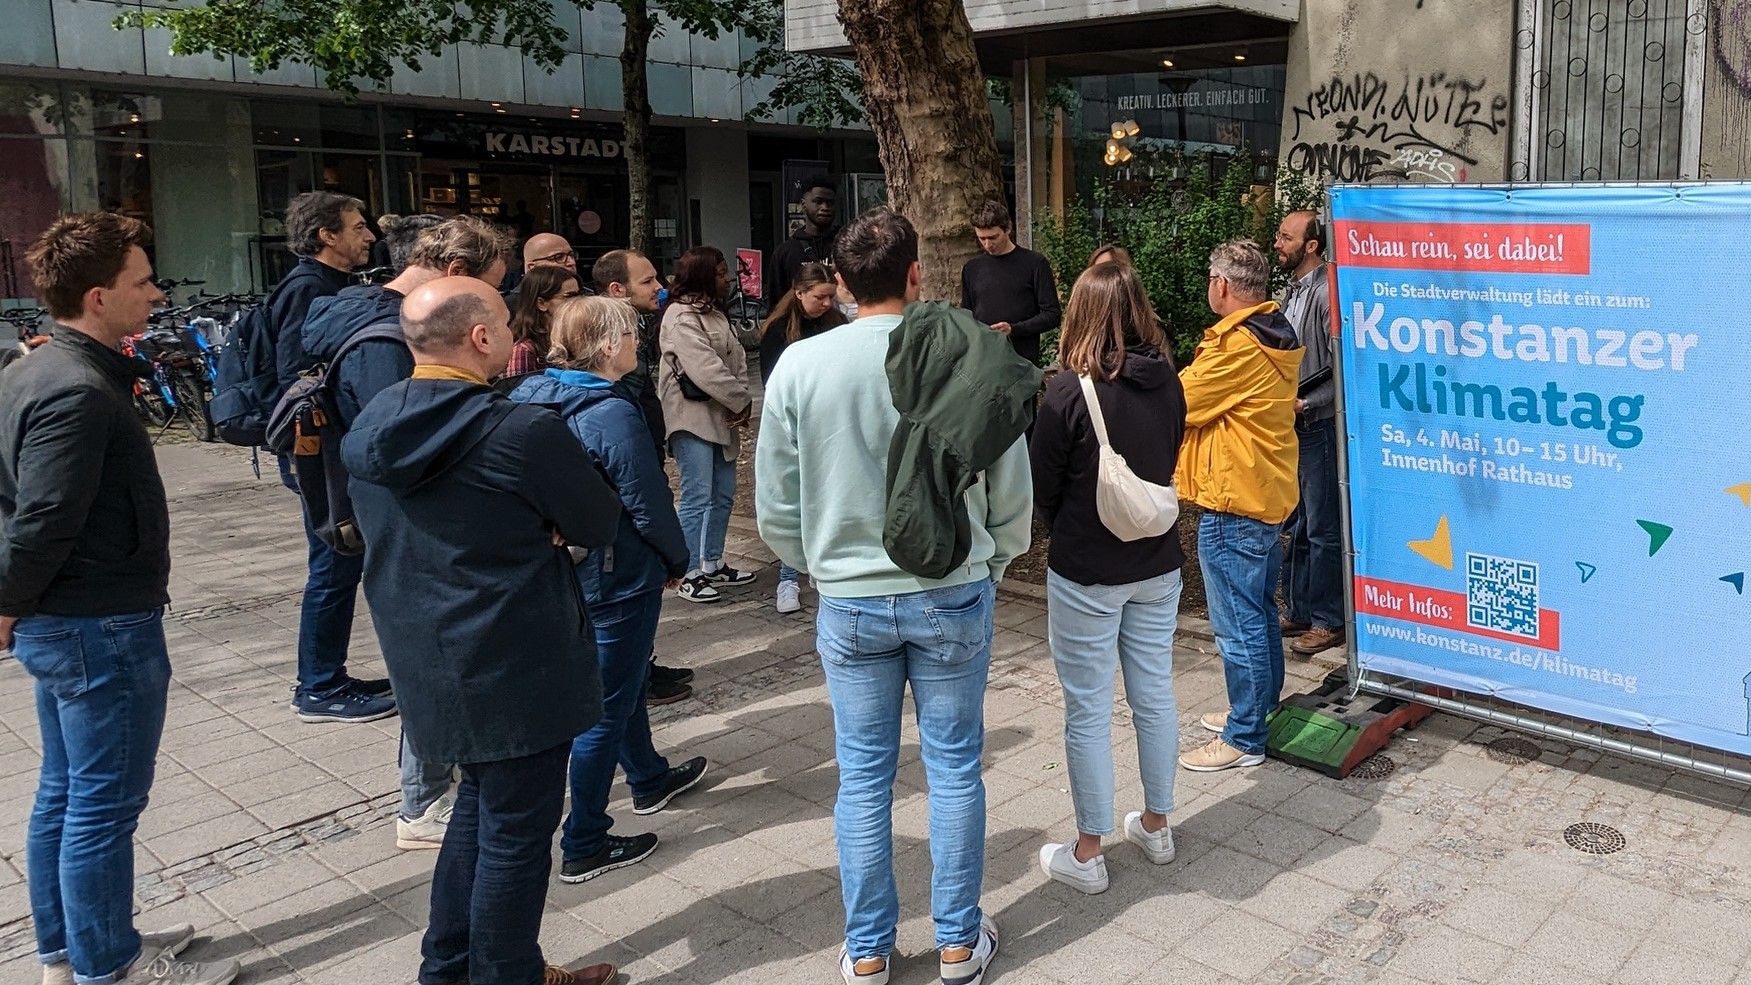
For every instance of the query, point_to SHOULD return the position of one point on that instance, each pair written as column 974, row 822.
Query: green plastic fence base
column 1307, row 738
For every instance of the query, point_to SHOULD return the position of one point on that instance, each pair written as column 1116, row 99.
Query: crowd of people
column 504, row 464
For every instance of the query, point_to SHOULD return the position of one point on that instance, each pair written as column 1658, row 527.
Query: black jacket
column 1145, row 412
column 458, row 491
column 649, row 547
column 797, row 249
column 287, row 307
column 84, row 527
column 372, row 367
column 773, row 342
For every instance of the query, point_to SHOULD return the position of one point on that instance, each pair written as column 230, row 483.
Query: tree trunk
column 636, row 120
column 925, row 98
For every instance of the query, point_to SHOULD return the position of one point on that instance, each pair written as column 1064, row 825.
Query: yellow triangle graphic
column 1437, row 549
column 1742, row 490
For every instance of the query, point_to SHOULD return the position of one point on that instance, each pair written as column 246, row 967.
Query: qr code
column 1501, row 594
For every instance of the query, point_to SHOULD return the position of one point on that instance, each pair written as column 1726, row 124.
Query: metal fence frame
column 1634, row 744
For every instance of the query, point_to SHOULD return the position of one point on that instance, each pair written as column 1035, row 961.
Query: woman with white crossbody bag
column 1104, row 451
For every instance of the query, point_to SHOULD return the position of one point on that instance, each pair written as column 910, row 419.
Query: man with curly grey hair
column 328, row 234
column 1238, row 462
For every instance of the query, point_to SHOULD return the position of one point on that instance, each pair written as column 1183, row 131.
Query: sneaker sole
column 1310, row 651
column 1242, row 761
column 414, row 845
column 678, row 791
column 746, row 579
column 703, row 600
column 318, row 718
column 593, row 873
column 1206, row 726
column 785, row 610
column 656, row 702
column 1085, row 888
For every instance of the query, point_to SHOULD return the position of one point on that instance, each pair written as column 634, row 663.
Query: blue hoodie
column 372, row 367
column 458, row 492
column 649, row 547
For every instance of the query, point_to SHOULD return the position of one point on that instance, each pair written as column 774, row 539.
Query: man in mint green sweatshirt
column 820, row 480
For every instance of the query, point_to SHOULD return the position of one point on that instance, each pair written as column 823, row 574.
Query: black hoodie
column 458, row 492
column 1145, row 411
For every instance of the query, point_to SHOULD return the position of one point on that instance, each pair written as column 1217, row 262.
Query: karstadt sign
column 550, row 145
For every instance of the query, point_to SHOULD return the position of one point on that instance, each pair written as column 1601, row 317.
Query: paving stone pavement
column 275, row 839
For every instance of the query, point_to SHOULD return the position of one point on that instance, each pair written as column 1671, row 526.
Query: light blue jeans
column 708, row 493
column 1097, row 630
column 422, row 783
column 101, row 687
column 938, row 641
column 1241, row 562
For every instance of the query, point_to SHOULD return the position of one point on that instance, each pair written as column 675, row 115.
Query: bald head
column 458, row 322
column 548, row 248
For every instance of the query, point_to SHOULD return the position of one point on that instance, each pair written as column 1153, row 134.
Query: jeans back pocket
column 962, row 626
column 55, row 656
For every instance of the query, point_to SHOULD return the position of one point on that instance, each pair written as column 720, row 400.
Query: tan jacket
column 704, row 347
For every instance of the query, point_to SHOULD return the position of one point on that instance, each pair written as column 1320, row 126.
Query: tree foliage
column 1170, row 228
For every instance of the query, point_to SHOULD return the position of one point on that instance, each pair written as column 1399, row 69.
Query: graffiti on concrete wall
column 1364, row 127
column 1728, row 153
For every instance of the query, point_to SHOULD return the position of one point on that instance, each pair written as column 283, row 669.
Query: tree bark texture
column 925, row 99
column 636, row 120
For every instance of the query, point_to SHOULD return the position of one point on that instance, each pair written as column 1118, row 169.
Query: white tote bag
column 1129, row 507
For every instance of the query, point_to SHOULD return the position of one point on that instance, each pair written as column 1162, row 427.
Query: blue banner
column 1548, row 393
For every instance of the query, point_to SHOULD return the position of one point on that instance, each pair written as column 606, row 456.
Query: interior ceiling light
column 1167, row 60
column 1240, row 56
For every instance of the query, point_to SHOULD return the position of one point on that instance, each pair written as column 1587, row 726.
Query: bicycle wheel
column 151, row 408
column 191, row 403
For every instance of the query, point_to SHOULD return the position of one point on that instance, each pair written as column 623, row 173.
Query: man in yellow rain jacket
column 1238, row 463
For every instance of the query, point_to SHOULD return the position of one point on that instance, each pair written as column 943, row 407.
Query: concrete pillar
column 717, row 175
column 1032, row 169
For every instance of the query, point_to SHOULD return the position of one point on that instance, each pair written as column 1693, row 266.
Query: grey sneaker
column 166, row 970
column 966, row 965
column 170, row 940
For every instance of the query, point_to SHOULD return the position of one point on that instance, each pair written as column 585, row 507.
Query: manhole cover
column 1514, row 751
column 1594, row 839
column 1375, row 767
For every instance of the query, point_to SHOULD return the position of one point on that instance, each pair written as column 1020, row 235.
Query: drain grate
column 1514, row 751
column 1375, row 767
column 1594, row 839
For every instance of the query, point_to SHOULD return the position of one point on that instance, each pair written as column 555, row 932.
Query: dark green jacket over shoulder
column 964, row 399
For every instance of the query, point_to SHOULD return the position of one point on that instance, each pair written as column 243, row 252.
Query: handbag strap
column 1094, row 412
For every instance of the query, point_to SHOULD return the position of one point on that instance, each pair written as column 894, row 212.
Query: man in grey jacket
column 1313, row 567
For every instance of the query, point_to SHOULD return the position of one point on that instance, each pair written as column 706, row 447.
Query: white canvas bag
column 1129, row 507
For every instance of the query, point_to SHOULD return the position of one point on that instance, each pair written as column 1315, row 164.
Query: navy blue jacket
column 458, row 492
column 287, row 308
column 649, row 547
column 371, row 368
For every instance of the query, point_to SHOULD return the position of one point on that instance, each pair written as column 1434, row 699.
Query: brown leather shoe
column 1316, row 640
column 596, row 974
column 1288, row 625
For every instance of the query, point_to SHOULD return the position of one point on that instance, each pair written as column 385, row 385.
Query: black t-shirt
column 1017, row 288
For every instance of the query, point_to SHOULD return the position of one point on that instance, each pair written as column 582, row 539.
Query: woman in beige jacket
column 703, row 384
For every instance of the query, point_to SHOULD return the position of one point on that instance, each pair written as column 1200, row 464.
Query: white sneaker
column 970, row 970
column 789, row 597
column 427, row 830
column 848, row 970
column 166, row 970
column 1157, row 846
column 170, row 940
column 1059, row 862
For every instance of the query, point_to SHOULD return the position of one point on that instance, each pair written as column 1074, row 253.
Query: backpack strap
column 379, row 332
column 1094, row 413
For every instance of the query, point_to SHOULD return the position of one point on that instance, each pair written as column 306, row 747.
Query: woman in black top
column 1111, row 604
column 805, row 311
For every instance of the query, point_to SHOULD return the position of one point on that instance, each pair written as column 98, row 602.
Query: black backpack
column 248, row 378
column 306, row 425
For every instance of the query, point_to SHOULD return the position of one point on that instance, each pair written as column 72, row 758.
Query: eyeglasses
column 560, row 257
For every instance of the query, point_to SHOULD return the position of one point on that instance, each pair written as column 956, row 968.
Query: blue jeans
column 939, row 641
column 325, row 620
column 1096, row 630
column 1240, row 560
column 1313, row 570
column 101, row 687
column 788, row 573
column 489, row 886
column 708, row 493
column 422, row 783
column 625, row 632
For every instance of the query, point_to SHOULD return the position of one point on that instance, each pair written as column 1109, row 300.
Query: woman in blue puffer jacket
column 594, row 344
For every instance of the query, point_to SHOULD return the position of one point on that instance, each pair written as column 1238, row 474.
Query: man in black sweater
column 1008, row 287
column 812, row 243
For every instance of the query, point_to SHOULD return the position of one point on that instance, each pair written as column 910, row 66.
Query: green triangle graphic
column 1657, row 534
